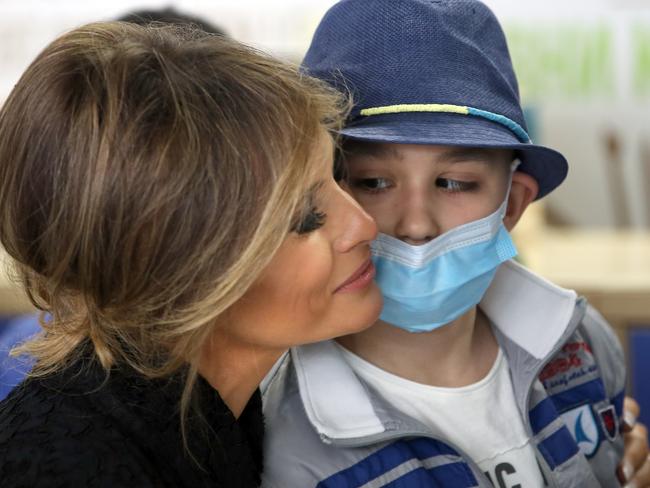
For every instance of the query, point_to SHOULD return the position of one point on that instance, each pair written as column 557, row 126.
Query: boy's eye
column 453, row 186
column 371, row 184
column 309, row 222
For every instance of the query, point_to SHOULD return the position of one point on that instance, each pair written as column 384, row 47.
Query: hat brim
column 548, row 167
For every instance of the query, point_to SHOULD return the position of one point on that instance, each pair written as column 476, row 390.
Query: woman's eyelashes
column 309, row 221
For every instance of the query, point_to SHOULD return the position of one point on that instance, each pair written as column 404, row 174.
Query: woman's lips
column 361, row 278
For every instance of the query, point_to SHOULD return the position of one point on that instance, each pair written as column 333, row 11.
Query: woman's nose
column 356, row 226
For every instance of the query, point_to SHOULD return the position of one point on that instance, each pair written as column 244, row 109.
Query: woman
column 168, row 198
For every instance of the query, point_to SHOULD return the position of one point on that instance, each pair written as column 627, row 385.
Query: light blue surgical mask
column 428, row 286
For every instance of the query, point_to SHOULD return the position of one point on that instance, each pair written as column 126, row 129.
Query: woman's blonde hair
column 147, row 176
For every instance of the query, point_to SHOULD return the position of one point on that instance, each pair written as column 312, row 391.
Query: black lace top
column 82, row 428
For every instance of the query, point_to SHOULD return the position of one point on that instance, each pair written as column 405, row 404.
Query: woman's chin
column 365, row 313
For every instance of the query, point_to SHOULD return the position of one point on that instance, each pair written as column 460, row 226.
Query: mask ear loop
column 504, row 205
column 514, row 165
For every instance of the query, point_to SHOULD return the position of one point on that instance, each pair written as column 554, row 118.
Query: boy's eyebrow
column 451, row 155
column 374, row 150
column 455, row 155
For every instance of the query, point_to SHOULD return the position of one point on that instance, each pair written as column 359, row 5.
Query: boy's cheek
column 345, row 186
column 359, row 196
column 386, row 221
column 386, row 208
column 378, row 208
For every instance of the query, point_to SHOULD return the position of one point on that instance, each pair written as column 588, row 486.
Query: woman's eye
column 371, row 184
column 453, row 186
column 310, row 222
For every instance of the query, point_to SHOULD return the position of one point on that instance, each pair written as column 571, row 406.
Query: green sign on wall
column 577, row 62
column 641, row 68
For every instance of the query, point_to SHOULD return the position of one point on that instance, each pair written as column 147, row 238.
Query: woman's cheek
column 317, row 275
column 304, row 268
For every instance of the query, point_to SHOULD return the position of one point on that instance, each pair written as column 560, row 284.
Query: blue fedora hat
column 428, row 72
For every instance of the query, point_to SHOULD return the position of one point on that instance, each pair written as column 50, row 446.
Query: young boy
column 479, row 373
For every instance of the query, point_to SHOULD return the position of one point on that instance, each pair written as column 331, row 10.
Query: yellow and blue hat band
column 513, row 126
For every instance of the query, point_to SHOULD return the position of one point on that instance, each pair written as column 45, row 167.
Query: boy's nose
column 416, row 224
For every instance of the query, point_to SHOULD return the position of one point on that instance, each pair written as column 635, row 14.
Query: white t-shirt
column 481, row 419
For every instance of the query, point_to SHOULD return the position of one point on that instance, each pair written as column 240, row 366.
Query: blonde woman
column 168, row 198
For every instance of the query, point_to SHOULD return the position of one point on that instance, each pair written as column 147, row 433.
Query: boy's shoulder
column 604, row 344
column 585, row 380
column 593, row 349
column 575, row 353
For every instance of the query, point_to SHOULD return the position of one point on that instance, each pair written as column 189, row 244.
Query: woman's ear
column 523, row 191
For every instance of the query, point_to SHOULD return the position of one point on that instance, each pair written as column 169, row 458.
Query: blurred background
column 584, row 73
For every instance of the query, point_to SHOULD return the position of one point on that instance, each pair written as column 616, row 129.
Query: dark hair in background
column 172, row 16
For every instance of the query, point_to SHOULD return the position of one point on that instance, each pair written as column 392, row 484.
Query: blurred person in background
column 170, row 16
column 168, row 198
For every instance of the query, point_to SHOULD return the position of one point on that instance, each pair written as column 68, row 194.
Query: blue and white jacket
column 326, row 428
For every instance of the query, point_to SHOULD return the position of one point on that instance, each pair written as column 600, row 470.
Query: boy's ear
column 523, row 191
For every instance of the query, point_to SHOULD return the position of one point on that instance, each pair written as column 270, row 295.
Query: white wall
column 576, row 130
column 26, row 26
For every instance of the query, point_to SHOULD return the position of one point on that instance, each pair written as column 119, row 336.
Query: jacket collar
column 336, row 402
column 529, row 313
